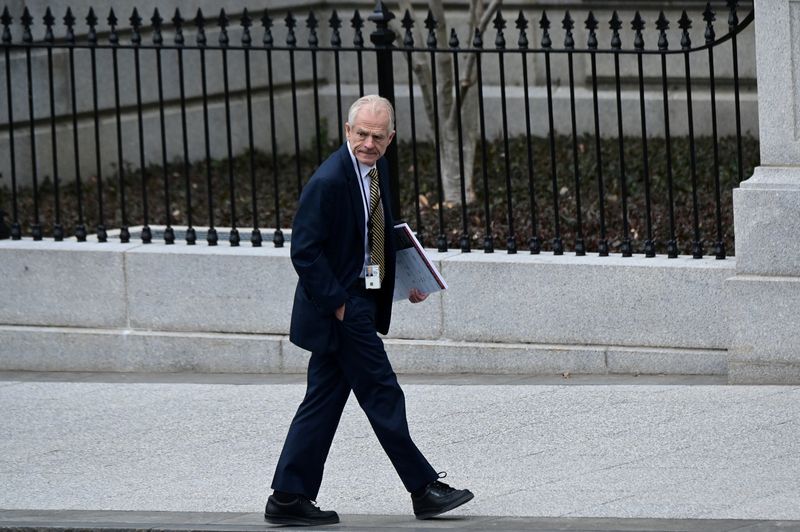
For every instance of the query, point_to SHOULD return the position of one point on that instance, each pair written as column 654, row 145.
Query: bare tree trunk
column 451, row 171
column 449, row 112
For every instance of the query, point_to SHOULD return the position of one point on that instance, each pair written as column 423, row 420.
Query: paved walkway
column 621, row 453
column 70, row 521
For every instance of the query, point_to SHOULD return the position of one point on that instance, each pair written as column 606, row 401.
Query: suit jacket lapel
column 383, row 172
column 354, row 189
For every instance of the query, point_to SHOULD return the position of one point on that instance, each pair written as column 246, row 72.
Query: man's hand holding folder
column 416, row 276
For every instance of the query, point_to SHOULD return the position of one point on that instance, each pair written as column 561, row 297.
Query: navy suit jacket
column 327, row 250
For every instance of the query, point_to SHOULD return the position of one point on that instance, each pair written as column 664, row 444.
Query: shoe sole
column 439, row 511
column 298, row 521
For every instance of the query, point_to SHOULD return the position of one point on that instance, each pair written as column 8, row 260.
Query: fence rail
column 624, row 194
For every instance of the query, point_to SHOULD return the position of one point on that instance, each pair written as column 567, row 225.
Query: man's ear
column 391, row 137
column 347, row 129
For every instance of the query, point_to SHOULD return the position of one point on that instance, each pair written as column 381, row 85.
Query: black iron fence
column 610, row 189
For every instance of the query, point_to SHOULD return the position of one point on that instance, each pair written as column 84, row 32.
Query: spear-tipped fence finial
column 522, row 25
column 592, row 24
column 222, row 21
column 685, row 23
column 357, row 23
column 49, row 20
column 177, row 21
column 431, row 24
column 615, row 24
column 662, row 24
column 311, row 24
column 568, row 24
column 69, row 22
column 291, row 39
column 733, row 18
column 408, row 24
column 544, row 24
column 266, row 22
column 335, row 23
column 136, row 23
column 156, row 21
column 499, row 24
column 246, row 22
column 637, row 24
column 200, row 24
column 112, row 21
column 6, row 20
column 709, row 17
column 27, row 22
column 91, row 21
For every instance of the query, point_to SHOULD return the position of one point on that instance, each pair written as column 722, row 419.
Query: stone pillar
column 765, row 326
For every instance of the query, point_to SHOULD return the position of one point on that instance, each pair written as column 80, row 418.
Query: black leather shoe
column 299, row 512
column 438, row 498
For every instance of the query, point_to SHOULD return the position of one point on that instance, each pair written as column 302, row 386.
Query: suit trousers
column 359, row 364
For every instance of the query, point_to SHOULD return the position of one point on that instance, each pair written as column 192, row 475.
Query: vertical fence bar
column 277, row 236
column 733, row 22
column 246, row 22
column 383, row 40
column 291, row 42
column 27, row 38
column 58, row 230
column 662, row 24
column 534, row 242
column 569, row 43
column 169, row 233
column 616, row 44
column 709, row 16
column 5, row 232
column 686, row 44
column 80, row 228
column 488, row 238
column 16, row 229
column 463, row 241
column 313, row 43
column 91, row 21
column 191, row 234
column 113, row 38
column 431, row 25
column 336, row 42
column 500, row 44
column 233, row 237
column 358, row 41
column 591, row 44
column 136, row 39
column 638, row 44
column 408, row 43
column 544, row 24
column 200, row 22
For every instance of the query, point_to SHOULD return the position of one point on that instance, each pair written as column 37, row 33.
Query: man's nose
column 368, row 142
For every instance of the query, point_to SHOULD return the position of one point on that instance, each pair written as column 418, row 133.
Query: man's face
column 369, row 135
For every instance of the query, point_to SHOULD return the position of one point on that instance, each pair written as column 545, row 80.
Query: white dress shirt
column 364, row 180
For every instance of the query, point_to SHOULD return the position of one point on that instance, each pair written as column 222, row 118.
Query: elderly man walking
column 344, row 255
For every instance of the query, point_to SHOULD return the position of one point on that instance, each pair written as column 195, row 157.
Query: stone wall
column 766, row 288
column 134, row 307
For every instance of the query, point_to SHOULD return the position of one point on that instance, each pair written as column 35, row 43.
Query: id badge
column 372, row 276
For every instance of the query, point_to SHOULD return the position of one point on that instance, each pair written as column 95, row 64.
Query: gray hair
column 374, row 103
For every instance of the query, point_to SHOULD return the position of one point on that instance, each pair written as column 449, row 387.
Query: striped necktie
column 377, row 229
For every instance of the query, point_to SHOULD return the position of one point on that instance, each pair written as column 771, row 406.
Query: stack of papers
column 413, row 268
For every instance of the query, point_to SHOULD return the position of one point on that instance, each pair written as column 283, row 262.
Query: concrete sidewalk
column 618, row 451
column 70, row 521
